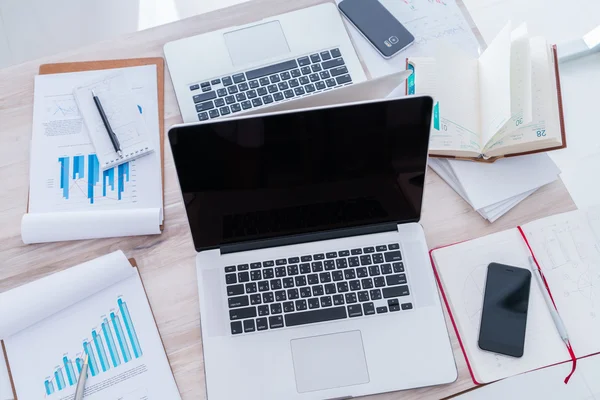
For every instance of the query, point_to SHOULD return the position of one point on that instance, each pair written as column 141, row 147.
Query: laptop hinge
column 309, row 237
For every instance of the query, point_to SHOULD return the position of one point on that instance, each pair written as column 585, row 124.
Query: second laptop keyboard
column 259, row 87
column 315, row 288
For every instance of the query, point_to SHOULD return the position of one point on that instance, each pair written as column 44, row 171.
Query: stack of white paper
column 493, row 189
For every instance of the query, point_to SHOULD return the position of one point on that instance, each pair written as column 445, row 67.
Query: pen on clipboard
column 111, row 134
column 560, row 326
column 82, row 378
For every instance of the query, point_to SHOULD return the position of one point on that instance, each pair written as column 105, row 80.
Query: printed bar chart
column 115, row 339
column 73, row 176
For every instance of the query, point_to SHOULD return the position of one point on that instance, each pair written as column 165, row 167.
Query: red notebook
column 566, row 249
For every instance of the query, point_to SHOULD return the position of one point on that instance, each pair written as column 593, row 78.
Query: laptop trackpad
column 257, row 43
column 329, row 361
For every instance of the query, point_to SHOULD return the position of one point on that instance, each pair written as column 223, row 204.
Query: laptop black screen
column 303, row 172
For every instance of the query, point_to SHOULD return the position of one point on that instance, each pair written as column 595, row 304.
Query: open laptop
column 313, row 273
column 274, row 60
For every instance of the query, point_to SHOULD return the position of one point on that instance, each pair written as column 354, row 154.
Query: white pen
column 560, row 326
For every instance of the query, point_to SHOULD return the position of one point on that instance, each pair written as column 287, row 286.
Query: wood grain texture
column 166, row 261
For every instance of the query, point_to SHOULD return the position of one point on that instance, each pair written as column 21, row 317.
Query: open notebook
column 505, row 103
column 99, row 308
column 567, row 249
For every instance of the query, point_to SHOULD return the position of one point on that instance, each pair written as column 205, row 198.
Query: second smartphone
column 504, row 314
column 377, row 25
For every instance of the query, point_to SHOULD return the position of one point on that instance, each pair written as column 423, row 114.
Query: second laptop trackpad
column 256, row 43
column 329, row 361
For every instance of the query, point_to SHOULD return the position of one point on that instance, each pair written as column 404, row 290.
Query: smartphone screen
column 504, row 314
column 378, row 25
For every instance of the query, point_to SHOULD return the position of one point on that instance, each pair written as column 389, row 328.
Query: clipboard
column 134, row 264
column 159, row 62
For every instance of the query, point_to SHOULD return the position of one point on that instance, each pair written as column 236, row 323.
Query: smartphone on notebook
column 504, row 313
column 377, row 25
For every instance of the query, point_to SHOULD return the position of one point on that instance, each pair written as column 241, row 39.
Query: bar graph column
column 64, row 175
column 137, row 351
column 93, row 175
column 78, row 167
column 108, row 175
column 120, row 337
column 59, row 379
column 110, row 342
column 91, row 359
column 101, row 353
column 123, row 176
column 70, row 372
column 79, row 364
column 49, row 387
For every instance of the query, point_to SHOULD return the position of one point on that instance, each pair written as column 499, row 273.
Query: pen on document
column 560, row 326
column 111, row 133
column 82, row 378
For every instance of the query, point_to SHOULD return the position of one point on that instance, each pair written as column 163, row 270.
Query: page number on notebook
column 540, row 133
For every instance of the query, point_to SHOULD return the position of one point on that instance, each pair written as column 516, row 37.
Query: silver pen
column 560, row 326
column 82, row 378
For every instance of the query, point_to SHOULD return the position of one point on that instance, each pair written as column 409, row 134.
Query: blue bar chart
column 93, row 183
column 112, row 344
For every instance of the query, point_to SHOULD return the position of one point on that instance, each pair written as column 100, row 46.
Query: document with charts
column 507, row 102
column 70, row 196
column 98, row 309
column 567, row 248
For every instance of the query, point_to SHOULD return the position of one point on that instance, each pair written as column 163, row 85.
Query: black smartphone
column 504, row 314
column 377, row 25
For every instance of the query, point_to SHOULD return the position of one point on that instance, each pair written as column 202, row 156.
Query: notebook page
column 462, row 269
column 115, row 327
column 567, row 246
column 125, row 117
column 547, row 383
column 28, row 304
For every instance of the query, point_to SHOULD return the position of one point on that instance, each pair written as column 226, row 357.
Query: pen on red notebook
column 560, row 326
column 111, row 134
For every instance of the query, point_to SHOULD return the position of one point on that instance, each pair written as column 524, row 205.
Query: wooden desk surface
column 167, row 261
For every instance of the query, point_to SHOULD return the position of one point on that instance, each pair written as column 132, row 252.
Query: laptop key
column 379, row 281
column 224, row 110
column 396, row 279
column 381, row 310
column 249, row 326
column 351, row 298
column 222, row 92
column 272, row 69
column 214, row 113
column 368, row 250
column 227, row 81
column 268, row 273
column 336, row 53
column 393, row 246
column 264, row 81
column 296, row 73
column 294, row 83
column 362, row 272
column 267, row 99
column 302, row 61
column 330, row 288
column 237, row 78
column 305, row 70
column 330, row 264
column 230, row 278
column 207, row 105
column 363, row 296
column 234, row 290
column 316, row 68
column 236, row 327
column 393, row 305
column 230, row 268
column 276, row 322
column 299, row 91
column 263, row 286
column 305, row 292
column 251, row 287
column 288, row 282
column 255, row 299
column 355, row 285
column 240, row 97
column 386, row 269
column 242, row 313
column 280, row 272
column 318, row 290
column 337, row 276
column 367, row 283
column 246, row 105
column 304, row 80
column 285, row 76
column 238, row 301
column 276, row 308
column 261, row 324
column 313, row 279
column 317, row 266
column 309, row 88
column 375, row 294
column 288, row 94
column 278, row 96
column 342, row 287
column 398, row 267
column 305, row 268
column 349, row 274
column 330, row 82
column 320, row 85
column 202, row 116
column 268, row 297
column 355, row 311
column 261, row 91
column 392, row 256
column 263, row 310
column 266, row 264
column 255, row 265
column 365, row 260
column 407, row 306
column 276, row 284
column 338, row 300
column 300, row 280
column 374, row 270
column 236, row 108
column 293, row 294
column 369, row 308
column 321, row 315
column 301, row 305
column 315, row 58
column 292, row 270
column 395, row 291
column 382, row 247
column 288, row 306
column 220, row 102
column 228, row 100
column 324, row 75
column 253, row 84
column 206, row 89
column 215, row 81
column 194, row 87
column 273, row 88
column 332, row 63
column 325, row 277
column 326, row 301
column 257, row 102
column 200, row 98
column 275, row 78
column 377, row 258
column 325, row 55
column 313, row 303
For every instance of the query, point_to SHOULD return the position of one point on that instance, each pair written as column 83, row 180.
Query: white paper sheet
column 80, row 225
column 547, row 383
column 113, row 325
column 123, row 113
column 487, row 184
column 431, row 22
column 28, row 304
column 65, row 174
column 579, row 181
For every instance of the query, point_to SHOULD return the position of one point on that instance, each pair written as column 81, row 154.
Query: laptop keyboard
column 278, row 82
column 315, row 288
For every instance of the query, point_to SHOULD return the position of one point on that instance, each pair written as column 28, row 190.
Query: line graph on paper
column 61, row 107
